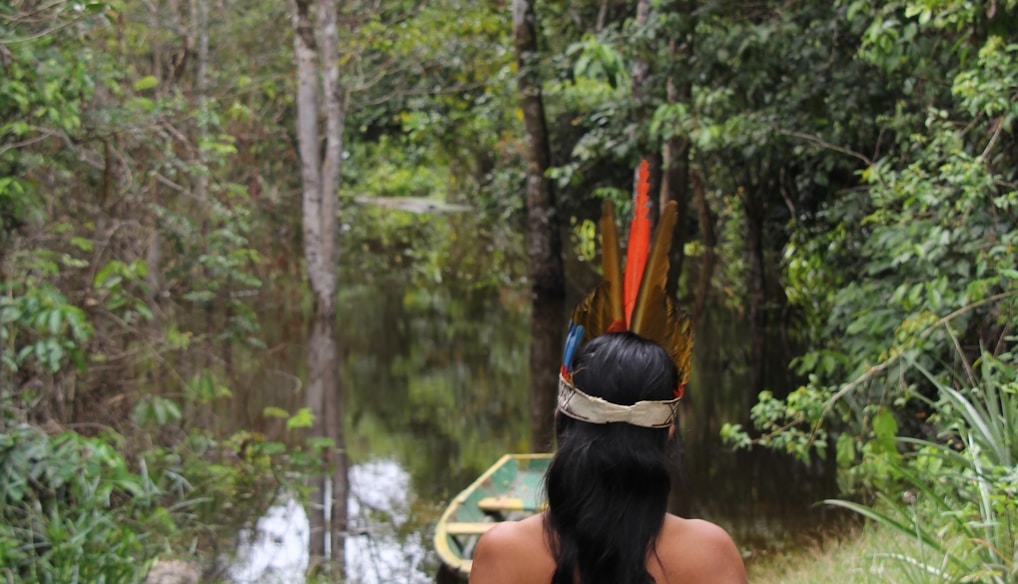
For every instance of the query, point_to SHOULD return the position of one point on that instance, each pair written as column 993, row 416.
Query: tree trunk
column 318, row 88
column 641, row 71
column 200, row 29
column 544, row 244
column 755, row 205
column 641, row 68
column 328, row 516
column 602, row 16
column 199, row 18
column 675, row 175
column 709, row 259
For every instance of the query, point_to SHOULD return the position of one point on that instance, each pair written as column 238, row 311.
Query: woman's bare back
column 688, row 551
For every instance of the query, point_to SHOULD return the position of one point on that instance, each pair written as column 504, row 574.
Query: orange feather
column 639, row 239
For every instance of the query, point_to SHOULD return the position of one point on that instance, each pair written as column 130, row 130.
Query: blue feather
column 573, row 338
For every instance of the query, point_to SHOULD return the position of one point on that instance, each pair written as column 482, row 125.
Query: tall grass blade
column 941, row 574
column 978, row 419
column 910, row 529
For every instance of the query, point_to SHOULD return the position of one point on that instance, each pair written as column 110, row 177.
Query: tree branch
column 825, row 144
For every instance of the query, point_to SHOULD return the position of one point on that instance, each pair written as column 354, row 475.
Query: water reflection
column 275, row 550
column 435, row 374
column 766, row 500
column 378, row 549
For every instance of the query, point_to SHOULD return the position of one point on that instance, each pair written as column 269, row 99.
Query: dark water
column 434, row 366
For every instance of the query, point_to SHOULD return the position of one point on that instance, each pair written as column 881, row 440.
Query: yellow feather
column 594, row 313
column 655, row 316
column 675, row 335
column 655, row 275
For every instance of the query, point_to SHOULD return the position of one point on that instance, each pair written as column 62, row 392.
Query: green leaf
column 845, row 450
column 302, row 419
column 81, row 243
column 886, row 429
column 141, row 308
column 158, row 410
column 271, row 448
column 108, row 272
column 147, row 82
column 274, row 412
column 320, row 443
column 55, row 321
column 199, row 296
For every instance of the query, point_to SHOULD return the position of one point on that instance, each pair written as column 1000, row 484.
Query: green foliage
column 210, row 486
column 41, row 329
column 779, row 421
column 138, row 219
column 122, row 290
column 302, row 419
column 960, row 508
column 44, row 81
column 156, row 410
column 72, row 511
column 439, row 118
column 918, row 260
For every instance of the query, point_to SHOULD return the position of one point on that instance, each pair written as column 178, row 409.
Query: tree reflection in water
column 434, row 370
column 275, row 551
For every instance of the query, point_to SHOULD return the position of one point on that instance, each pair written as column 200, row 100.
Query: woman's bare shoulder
column 497, row 558
column 695, row 550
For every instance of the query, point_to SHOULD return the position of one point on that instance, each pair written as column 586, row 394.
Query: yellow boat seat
column 465, row 528
column 504, row 504
column 497, row 504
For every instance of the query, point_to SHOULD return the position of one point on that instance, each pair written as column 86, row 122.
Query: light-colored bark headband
column 647, row 414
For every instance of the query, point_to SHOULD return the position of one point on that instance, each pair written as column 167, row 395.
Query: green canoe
column 512, row 489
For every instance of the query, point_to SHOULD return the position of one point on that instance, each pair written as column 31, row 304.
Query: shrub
column 961, row 506
column 70, row 510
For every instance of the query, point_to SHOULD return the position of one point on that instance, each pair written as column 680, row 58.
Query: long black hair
column 608, row 484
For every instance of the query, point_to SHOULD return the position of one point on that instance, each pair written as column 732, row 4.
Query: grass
column 855, row 558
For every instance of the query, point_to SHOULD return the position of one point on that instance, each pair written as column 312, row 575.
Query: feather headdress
column 635, row 300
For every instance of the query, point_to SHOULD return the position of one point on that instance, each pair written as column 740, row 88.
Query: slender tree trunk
column 202, row 74
column 641, row 95
column 318, row 89
column 602, row 16
column 675, row 176
column 755, row 205
column 709, row 259
column 641, row 68
column 157, row 52
column 200, row 30
column 199, row 18
column 675, row 187
column 153, row 251
column 544, row 243
column 328, row 514
column 668, row 172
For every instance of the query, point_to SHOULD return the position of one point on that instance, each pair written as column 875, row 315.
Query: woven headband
column 587, row 408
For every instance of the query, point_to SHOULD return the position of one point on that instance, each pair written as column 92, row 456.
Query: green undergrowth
column 76, row 509
column 854, row 558
column 943, row 507
column 870, row 554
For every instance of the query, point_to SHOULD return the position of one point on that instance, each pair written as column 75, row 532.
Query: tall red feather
column 639, row 240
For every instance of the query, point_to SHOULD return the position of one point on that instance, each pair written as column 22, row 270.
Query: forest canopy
column 845, row 171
